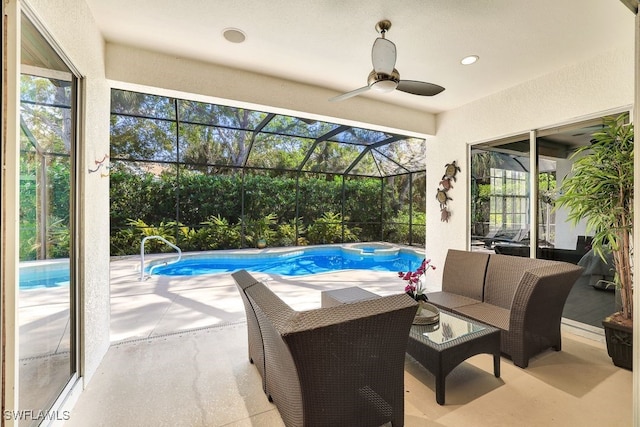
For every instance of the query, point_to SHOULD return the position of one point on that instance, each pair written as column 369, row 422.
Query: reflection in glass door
column 500, row 196
column 46, row 280
column 562, row 239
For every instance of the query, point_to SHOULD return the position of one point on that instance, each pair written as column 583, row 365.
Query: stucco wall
column 601, row 84
column 71, row 25
column 154, row 72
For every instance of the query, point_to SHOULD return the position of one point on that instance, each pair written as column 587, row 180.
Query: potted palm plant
column 600, row 191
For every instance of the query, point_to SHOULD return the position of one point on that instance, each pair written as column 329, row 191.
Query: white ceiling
column 328, row 43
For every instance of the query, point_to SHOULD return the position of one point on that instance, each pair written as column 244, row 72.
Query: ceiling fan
column 384, row 77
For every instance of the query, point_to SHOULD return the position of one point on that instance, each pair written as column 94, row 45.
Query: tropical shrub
column 127, row 241
column 286, row 233
column 329, row 229
column 260, row 228
column 217, row 233
column 600, row 192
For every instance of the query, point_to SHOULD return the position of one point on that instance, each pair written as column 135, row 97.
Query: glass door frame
column 77, row 85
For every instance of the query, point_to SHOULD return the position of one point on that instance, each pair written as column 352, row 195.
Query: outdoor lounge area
column 135, row 129
column 194, row 331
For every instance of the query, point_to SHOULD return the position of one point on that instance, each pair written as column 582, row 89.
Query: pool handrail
column 165, row 263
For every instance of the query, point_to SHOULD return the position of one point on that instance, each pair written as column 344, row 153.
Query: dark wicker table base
column 441, row 359
column 438, row 358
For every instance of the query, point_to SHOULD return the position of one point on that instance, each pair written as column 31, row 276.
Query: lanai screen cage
column 208, row 176
column 45, row 167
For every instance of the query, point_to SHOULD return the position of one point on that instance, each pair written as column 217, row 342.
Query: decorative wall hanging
column 100, row 164
column 450, row 171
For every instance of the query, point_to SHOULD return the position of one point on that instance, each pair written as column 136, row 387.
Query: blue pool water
column 44, row 276
column 294, row 263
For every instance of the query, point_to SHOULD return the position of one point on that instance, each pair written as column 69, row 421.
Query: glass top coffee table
column 442, row 346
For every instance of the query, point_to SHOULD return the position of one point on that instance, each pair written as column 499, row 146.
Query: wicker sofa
column 341, row 365
column 523, row 297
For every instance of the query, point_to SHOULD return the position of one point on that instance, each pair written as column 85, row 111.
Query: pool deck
column 162, row 305
column 179, row 357
column 159, row 306
column 166, row 304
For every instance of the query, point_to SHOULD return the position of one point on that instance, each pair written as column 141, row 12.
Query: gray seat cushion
column 449, row 300
column 487, row 313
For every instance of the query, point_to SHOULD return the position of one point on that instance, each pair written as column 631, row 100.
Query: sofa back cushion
column 464, row 273
column 504, row 273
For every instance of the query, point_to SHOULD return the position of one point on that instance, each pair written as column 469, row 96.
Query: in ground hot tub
column 371, row 248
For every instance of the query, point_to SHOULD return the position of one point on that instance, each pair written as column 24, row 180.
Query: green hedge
column 202, row 211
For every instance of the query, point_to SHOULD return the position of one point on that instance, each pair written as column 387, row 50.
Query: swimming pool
column 296, row 262
column 44, row 274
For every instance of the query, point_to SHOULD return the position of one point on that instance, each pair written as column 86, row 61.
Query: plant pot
column 261, row 243
column 619, row 343
column 427, row 314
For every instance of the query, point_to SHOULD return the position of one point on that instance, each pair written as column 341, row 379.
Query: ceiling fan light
column 384, row 86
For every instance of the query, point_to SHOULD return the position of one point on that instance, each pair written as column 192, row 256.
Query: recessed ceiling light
column 468, row 60
column 234, row 35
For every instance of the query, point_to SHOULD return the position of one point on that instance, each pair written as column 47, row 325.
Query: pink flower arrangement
column 415, row 288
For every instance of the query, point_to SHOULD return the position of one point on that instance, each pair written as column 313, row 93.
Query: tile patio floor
column 179, row 358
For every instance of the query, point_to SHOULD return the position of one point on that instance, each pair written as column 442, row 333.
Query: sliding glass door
column 510, row 187
column 46, row 312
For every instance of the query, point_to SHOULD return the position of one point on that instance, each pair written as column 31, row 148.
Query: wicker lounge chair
column 256, row 352
column 333, row 366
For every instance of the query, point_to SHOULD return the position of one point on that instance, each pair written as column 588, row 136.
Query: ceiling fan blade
column 350, row 94
column 383, row 56
column 419, row 88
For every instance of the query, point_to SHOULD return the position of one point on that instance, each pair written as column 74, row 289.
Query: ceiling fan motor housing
column 383, row 82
